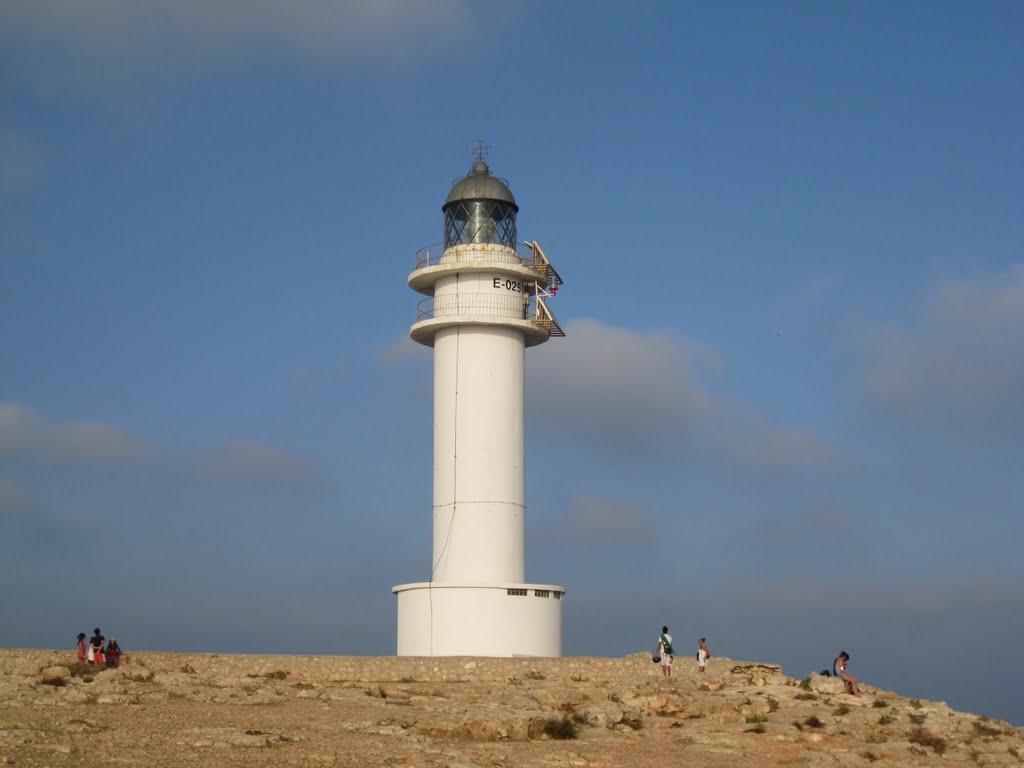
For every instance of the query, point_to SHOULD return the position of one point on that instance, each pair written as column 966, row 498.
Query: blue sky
column 788, row 413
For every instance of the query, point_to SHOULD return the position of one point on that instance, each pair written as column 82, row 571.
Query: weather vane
column 481, row 149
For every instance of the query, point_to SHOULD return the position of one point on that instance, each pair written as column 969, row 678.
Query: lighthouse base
column 445, row 619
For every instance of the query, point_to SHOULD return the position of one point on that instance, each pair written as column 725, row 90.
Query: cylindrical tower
column 486, row 305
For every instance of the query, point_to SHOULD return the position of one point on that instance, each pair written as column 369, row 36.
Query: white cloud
column 182, row 29
column 26, row 435
column 628, row 393
column 812, row 524
column 959, row 364
column 402, row 349
column 238, row 458
column 605, row 384
column 24, row 518
column 609, row 520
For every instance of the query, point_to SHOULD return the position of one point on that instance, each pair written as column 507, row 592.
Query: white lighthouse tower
column 487, row 305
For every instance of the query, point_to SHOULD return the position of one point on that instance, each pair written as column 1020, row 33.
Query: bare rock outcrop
column 166, row 709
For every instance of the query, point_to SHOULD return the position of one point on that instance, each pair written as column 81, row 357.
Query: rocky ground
column 165, row 709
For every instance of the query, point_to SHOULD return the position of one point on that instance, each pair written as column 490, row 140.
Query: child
column 113, row 653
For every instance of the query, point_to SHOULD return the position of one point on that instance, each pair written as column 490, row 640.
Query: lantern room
column 480, row 209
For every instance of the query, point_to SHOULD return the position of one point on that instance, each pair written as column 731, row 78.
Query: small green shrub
column 916, row 703
column 757, row 719
column 886, row 720
column 880, row 704
column 813, row 722
column 806, row 683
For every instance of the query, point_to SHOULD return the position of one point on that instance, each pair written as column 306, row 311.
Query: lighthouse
column 486, row 303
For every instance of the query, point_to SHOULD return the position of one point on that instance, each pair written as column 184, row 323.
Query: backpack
column 667, row 646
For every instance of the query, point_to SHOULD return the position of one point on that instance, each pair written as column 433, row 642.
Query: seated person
column 839, row 670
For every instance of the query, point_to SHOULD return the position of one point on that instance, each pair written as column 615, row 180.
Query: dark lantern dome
column 479, row 184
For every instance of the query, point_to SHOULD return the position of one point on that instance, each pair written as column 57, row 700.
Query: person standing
column 96, row 647
column 665, row 651
column 82, row 652
column 703, row 654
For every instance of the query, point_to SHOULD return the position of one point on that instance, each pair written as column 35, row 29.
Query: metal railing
column 545, row 319
column 535, row 310
column 526, row 254
column 474, row 304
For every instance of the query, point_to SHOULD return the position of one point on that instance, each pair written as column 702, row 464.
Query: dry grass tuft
column 560, row 728
column 982, row 729
column 925, row 739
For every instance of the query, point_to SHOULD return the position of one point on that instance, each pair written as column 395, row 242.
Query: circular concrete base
column 445, row 619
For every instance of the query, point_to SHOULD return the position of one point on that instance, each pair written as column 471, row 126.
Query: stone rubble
column 167, row 709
